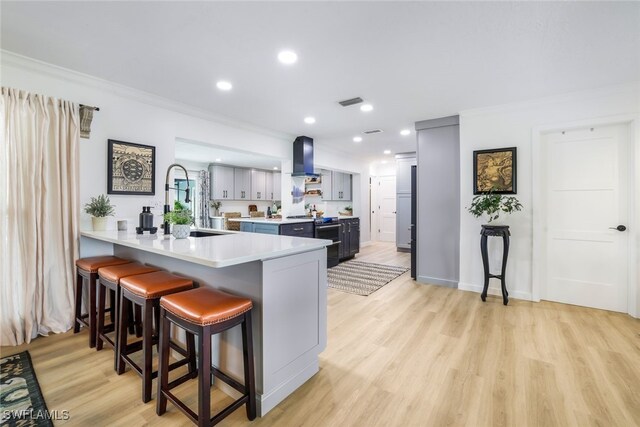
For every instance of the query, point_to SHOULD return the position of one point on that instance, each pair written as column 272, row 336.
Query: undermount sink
column 200, row 233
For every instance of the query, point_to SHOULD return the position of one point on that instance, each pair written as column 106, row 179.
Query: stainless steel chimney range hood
column 303, row 157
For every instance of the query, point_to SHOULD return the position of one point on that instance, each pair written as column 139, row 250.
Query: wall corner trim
column 438, row 123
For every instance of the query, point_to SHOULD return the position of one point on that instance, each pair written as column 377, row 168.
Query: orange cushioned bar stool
column 204, row 312
column 145, row 290
column 109, row 278
column 87, row 270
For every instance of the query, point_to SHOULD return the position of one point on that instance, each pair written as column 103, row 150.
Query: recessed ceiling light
column 275, row 168
column 383, row 162
column 224, row 85
column 309, row 120
column 405, row 132
column 218, row 160
column 287, row 57
column 357, row 139
column 387, row 151
column 366, row 107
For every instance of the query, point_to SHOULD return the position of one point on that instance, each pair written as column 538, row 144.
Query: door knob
column 619, row 228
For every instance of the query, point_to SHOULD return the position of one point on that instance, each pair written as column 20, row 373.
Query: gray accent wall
column 438, row 192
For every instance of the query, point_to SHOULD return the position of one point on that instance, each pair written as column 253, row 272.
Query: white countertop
column 272, row 220
column 216, row 251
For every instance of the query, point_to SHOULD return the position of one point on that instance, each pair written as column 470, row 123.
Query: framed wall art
column 495, row 171
column 131, row 168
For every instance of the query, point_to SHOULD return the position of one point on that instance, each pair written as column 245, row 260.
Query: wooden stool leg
column 138, row 320
column 191, row 354
column 147, row 350
column 121, row 344
column 101, row 314
column 163, row 363
column 76, row 324
column 113, row 308
column 204, row 378
column 92, row 310
column 249, row 375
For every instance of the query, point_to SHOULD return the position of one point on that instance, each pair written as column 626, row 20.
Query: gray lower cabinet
column 349, row 238
column 303, row 229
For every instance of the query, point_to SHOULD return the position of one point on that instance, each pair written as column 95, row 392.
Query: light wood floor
column 408, row 355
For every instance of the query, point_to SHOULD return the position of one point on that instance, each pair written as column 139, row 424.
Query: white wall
column 512, row 125
column 130, row 115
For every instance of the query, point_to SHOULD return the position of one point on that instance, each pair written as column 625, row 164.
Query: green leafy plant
column 493, row 204
column 179, row 206
column 348, row 208
column 215, row 204
column 99, row 207
column 180, row 217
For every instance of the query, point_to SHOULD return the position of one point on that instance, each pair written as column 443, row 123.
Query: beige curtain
column 39, row 215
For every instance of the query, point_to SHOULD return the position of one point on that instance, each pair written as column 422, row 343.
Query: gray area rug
column 362, row 278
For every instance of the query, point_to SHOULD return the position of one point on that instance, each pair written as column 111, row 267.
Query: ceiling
column 411, row 60
column 201, row 153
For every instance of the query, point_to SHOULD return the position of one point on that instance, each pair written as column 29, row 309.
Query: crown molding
column 555, row 99
column 12, row 59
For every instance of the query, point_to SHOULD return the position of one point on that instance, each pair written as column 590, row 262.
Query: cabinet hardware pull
column 298, row 229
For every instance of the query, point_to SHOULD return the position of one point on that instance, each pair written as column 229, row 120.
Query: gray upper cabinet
column 242, row 184
column 341, row 186
column 327, row 191
column 403, row 174
column 259, row 185
column 222, row 182
column 277, row 186
column 268, row 187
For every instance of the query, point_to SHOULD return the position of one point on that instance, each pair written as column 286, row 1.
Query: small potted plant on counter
column 348, row 211
column 181, row 220
column 215, row 205
column 99, row 208
column 490, row 206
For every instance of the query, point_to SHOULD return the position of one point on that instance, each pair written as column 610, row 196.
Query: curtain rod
column 88, row 106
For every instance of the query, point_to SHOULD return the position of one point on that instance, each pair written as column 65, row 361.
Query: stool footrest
column 184, row 408
column 227, row 379
column 183, row 379
column 228, row 410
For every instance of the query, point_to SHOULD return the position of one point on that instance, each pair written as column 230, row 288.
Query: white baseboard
column 495, row 291
column 435, row 281
column 365, row 244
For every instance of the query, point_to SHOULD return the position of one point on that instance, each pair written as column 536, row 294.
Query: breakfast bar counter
column 285, row 277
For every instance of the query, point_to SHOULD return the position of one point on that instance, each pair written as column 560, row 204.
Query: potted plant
column 490, row 205
column 99, row 208
column 215, row 205
column 181, row 220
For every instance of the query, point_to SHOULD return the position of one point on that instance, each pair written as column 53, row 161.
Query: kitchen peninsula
column 285, row 277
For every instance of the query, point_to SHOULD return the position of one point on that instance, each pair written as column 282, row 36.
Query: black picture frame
column 131, row 168
column 497, row 180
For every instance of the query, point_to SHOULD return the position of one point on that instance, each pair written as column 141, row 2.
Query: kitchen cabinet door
column 222, row 182
column 242, row 184
column 268, row 186
column 403, row 221
column 346, row 187
column 354, row 236
column 277, row 186
column 403, row 174
column 258, row 185
column 327, row 191
column 341, row 186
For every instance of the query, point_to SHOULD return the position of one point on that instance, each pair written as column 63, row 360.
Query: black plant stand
column 499, row 231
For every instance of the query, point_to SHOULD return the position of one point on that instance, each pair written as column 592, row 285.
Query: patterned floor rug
column 21, row 401
column 362, row 278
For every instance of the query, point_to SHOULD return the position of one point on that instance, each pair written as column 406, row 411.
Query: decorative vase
column 181, row 231
column 99, row 223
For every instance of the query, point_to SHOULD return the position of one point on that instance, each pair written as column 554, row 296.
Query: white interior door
column 387, row 209
column 586, row 199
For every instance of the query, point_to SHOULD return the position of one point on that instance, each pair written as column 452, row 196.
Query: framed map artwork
column 495, row 171
column 131, row 168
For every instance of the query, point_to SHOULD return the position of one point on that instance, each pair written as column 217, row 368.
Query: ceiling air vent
column 372, row 131
column 351, row 101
